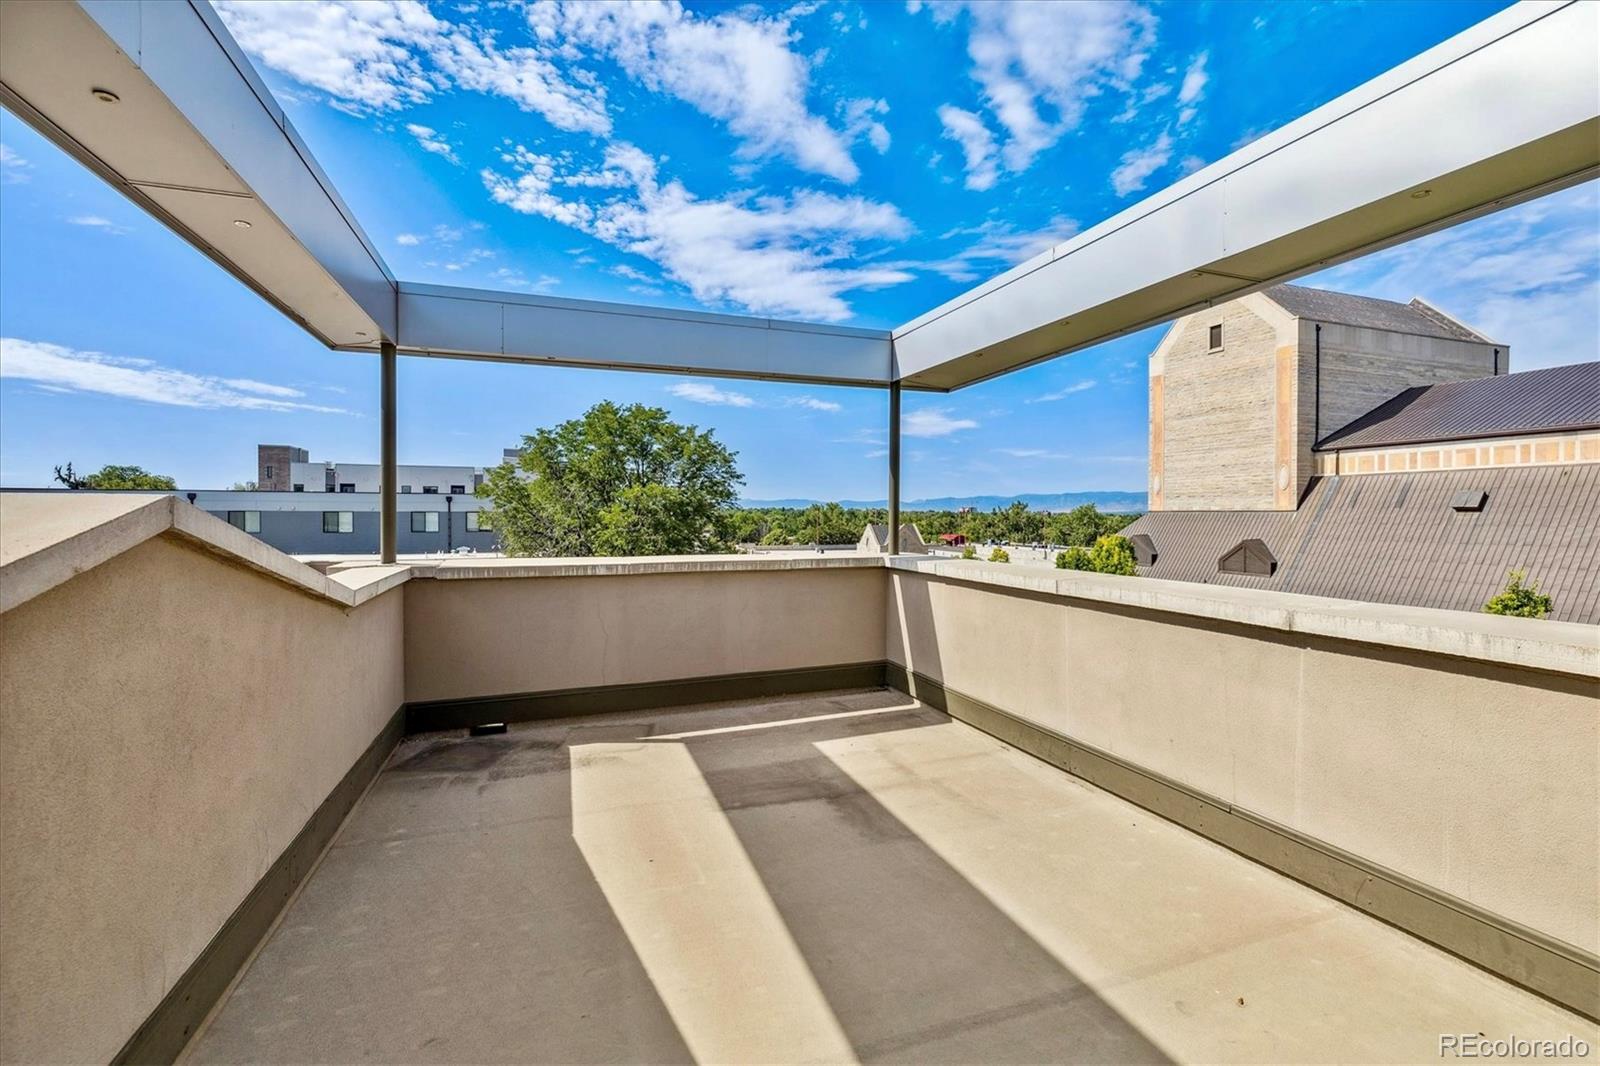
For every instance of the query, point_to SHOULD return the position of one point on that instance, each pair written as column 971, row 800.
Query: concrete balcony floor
column 839, row 877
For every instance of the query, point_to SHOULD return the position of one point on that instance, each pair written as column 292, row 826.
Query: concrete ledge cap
column 47, row 539
column 1535, row 644
column 468, row 568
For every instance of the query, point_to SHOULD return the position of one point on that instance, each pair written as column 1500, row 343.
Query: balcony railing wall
column 186, row 715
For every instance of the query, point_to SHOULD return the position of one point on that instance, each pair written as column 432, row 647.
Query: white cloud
column 1528, row 276
column 469, row 258
column 811, row 403
column 1039, row 62
column 934, row 422
column 408, row 240
column 999, row 244
column 1063, row 393
column 516, row 279
column 528, row 77
column 13, row 168
column 1194, row 80
column 385, row 55
column 1137, row 165
column 977, row 146
column 99, row 223
column 432, row 142
column 704, row 392
column 737, row 67
column 791, row 254
column 63, row 369
column 363, row 55
column 707, row 393
column 863, row 119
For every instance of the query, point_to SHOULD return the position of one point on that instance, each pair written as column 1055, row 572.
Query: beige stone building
column 1333, row 445
column 1241, row 393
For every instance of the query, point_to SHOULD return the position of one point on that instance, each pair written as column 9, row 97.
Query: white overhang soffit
column 1506, row 111
column 518, row 327
column 191, row 134
column 1500, row 113
column 195, row 138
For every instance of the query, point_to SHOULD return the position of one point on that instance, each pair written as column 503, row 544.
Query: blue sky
column 820, row 161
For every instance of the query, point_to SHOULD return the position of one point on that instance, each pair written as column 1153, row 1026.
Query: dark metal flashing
column 178, row 1016
column 435, row 715
column 1561, row 972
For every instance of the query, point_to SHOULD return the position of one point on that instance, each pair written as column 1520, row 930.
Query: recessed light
column 1421, row 194
column 105, row 96
column 241, row 223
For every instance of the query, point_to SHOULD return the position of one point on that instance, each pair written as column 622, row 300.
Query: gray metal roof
column 1368, row 312
column 1394, row 538
column 1558, row 399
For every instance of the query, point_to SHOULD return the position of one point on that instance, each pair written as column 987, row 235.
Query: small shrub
column 969, row 552
column 1113, row 554
column 1519, row 600
column 999, row 555
column 1073, row 559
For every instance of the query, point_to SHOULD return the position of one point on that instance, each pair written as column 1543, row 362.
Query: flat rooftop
column 846, row 876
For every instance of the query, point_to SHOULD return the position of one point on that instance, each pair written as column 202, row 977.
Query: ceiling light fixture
column 241, row 223
column 105, row 96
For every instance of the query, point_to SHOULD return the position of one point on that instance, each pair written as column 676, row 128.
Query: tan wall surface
column 486, row 637
column 1361, row 368
column 1218, row 414
column 1478, row 779
column 168, row 723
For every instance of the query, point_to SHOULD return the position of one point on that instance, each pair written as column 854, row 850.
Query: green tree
column 116, row 477
column 618, row 481
column 1074, row 558
column 1016, row 523
column 829, row 523
column 1080, row 527
column 999, row 555
column 1113, row 554
column 969, row 552
column 1519, row 600
column 245, row 486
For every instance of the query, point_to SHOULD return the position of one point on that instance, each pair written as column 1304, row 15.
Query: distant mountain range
column 1038, row 501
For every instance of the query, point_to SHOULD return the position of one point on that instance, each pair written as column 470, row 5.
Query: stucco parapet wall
column 477, row 569
column 49, row 538
column 1557, row 647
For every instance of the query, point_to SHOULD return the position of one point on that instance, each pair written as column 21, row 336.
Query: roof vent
column 1248, row 557
column 1469, row 500
column 1144, row 549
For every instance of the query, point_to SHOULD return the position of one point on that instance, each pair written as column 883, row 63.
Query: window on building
column 405, row 488
column 475, row 522
column 299, row 488
column 424, row 521
column 338, row 521
column 249, row 521
column 1144, row 549
column 347, row 486
column 1248, row 557
column 1216, row 336
column 459, row 490
column 269, row 473
column 430, row 490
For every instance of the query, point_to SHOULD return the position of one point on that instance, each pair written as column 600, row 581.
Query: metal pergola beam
column 158, row 99
column 1504, row 112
